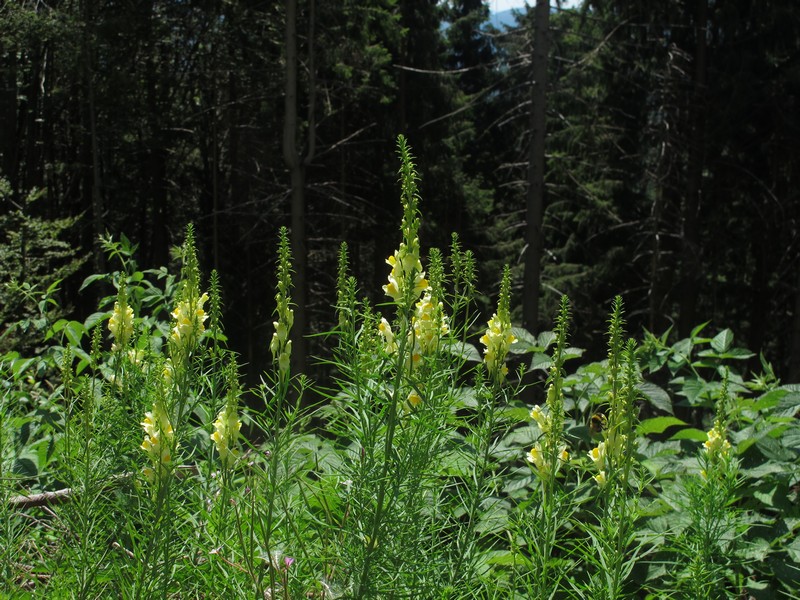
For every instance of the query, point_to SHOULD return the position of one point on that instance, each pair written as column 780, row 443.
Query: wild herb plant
column 134, row 464
column 544, row 517
column 611, row 549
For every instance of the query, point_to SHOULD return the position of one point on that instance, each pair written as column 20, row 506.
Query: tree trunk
column 794, row 357
column 297, row 167
column 691, row 270
column 536, row 165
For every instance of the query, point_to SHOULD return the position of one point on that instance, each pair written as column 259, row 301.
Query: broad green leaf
column 766, row 497
column 657, row 425
column 546, row 338
column 572, row 352
column 722, row 341
column 656, row 396
column 690, row 433
column 731, row 354
column 56, row 328
column 25, row 467
column 465, row 351
column 74, row 331
column 681, row 351
column 793, row 549
column 541, row 361
column 526, row 341
column 94, row 318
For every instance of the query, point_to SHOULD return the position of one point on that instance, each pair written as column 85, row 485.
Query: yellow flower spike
column 386, row 333
column 598, row 456
column 121, row 325
column 429, row 323
column 497, row 341
column 542, row 420
column 189, row 322
column 600, row 478
column 536, row 458
column 158, row 441
column 226, row 434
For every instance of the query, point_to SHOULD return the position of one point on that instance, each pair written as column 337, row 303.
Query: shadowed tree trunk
column 297, row 166
column 691, row 269
column 536, row 164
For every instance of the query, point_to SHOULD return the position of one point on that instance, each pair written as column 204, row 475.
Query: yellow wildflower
column 121, row 325
column 598, row 456
column 536, row 458
column 430, row 323
column 716, row 444
column 412, row 401
column 189, row 318
column 226, row 433
column 600, row 478
column 385, row 330
column 159, row 440
column 406, row 270
column 497, row 340
column 542, row 419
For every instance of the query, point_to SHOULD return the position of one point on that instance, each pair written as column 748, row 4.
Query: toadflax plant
column 611, row 549
column 543, row 519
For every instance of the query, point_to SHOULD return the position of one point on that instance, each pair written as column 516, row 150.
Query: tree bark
column 297, row 167
column 691, row 270
column 536, row 165
column 794, row 356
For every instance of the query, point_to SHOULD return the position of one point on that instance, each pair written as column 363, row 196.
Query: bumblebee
column 597, row 423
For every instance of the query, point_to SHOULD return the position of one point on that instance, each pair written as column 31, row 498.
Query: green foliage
column 138, row 464
column 32, row 249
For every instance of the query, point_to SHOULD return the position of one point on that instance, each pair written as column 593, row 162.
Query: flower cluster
column 429, row 323
column 281, row 345
column 159, row 441
column 189, row 318
column 497, row 340
column 716, row 444
column 542, row 419
column 538, row 458
column 406, row 273
column 498, row 337
column 387, row 335
column 717, row 449
column 121, row 324
column 226, row 434
column 598, row 456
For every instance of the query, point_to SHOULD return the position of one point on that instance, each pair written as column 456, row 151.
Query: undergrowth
column 132, row 466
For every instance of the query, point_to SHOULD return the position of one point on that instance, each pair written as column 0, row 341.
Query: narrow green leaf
column 91, row 279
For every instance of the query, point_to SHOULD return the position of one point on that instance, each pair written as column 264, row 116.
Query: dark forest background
column 670, row 131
